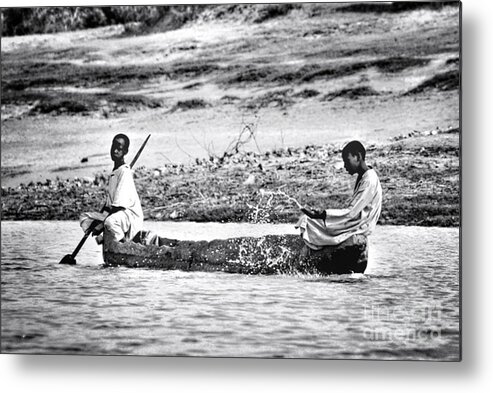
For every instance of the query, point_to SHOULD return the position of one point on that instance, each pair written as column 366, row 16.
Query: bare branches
column 208, row 148
column 166, row 157
column 182, row 150
column 245, row 136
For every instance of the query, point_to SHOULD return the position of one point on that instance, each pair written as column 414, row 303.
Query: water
column 406, row 305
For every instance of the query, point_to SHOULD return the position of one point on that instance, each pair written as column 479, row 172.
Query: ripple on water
column 88, row 309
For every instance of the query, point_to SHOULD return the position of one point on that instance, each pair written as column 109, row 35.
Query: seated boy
column 333, row 226
column 122, row 214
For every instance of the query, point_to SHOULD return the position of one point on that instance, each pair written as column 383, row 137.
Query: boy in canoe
column 122, row 217
column 333, row 226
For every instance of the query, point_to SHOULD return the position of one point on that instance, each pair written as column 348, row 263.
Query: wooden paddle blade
column 68, row 260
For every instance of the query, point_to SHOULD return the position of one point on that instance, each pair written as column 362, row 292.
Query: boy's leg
column 117, row 225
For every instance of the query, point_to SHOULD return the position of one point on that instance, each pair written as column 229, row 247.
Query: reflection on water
column 406, row 306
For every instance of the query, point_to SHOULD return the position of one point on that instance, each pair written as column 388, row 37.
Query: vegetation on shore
column 39, row 20
column 38, row 85
column 419, row 176
column 142, row 19
column 331, row 46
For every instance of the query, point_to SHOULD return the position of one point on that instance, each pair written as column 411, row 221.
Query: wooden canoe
column 271, row 254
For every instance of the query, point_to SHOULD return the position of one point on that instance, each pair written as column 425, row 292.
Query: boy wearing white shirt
column 122, row 213
column 331, row 227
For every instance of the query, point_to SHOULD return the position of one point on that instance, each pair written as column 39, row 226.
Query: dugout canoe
column 271, row 254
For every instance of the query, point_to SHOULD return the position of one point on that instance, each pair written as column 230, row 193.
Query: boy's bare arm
column 314, row 213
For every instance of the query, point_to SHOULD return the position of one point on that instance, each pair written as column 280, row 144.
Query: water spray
column 280, row 193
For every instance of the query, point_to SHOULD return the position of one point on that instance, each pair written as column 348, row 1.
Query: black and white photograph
column 243, row 180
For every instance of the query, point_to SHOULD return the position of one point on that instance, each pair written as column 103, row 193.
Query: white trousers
column 117, row 225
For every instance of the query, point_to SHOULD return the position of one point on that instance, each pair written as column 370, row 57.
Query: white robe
column 359, row 218
column 121, row 193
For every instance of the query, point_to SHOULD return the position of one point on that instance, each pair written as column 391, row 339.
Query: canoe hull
column 272, row 254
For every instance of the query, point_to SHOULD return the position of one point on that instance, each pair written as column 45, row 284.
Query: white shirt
column 362, row 214
column 359, row 218
column 122, row 193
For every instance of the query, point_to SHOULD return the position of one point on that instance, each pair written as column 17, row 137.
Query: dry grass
column 419, row 176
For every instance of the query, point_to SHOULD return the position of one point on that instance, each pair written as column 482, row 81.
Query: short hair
column 125, row 138
column 354, row 147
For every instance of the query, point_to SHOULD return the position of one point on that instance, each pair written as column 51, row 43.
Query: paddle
column 69, row 259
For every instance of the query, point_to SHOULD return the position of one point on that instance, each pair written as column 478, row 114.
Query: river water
column 405, row 306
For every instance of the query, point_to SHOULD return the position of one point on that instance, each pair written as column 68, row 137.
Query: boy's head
column 353, row 155
column 119, row 147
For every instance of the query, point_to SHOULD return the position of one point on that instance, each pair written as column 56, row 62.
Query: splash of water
column 260, row 255
column 262, row 212
column 264, row 257
column 281, row 193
